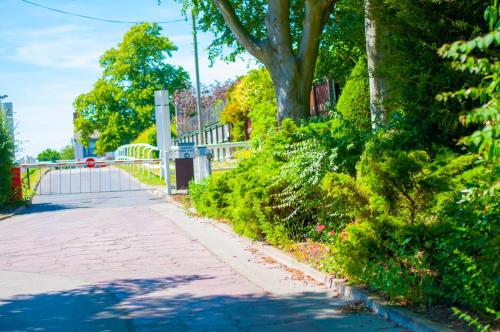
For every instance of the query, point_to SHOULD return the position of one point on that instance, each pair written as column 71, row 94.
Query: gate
column 74, row 177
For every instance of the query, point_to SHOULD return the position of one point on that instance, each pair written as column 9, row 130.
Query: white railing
column 220, row 151
column 135, row 151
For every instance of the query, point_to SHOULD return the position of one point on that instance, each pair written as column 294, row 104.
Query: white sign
column 162, row 114
column 186, row 150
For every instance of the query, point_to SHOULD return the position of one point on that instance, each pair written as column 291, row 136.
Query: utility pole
column 198, row 89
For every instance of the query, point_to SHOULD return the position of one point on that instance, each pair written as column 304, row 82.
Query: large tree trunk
column 293, row 99
column 292, row 90
column 292, row 72
column 374, row 55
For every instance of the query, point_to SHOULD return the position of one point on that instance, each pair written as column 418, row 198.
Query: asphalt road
column 129, row 261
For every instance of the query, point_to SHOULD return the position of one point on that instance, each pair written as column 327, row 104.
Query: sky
column 47, row 59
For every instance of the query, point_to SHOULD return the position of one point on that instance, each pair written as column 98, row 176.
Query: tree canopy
column 120, row 105
column 49, row 155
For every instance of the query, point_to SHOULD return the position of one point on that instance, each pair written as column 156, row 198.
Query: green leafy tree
column 67, row 152
column 285, row 36
column 49, row 155
column 464, row 56
column 343, row 41
column 6, row 160
column 120, row 105
column 492, row 15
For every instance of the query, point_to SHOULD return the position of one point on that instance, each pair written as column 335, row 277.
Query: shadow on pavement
column 155, row 304
column 49, row 207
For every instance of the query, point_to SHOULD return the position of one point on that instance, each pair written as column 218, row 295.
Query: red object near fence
column 17, row 184
column 90, row 162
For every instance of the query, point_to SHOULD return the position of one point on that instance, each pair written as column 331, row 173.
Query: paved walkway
column 129, row 261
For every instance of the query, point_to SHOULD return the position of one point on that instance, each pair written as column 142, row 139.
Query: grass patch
column 141, row 174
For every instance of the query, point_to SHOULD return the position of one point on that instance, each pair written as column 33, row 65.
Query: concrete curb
column 6, row 216
column 403, row 317
column 16, row 211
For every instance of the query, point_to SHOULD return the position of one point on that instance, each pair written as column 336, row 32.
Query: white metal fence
column 75, row 177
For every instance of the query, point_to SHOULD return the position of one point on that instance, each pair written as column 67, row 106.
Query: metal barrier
column 75, row 177
column 219, row 151
column 225, row 151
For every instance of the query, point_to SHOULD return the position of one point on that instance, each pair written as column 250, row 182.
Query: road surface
column 129, row 261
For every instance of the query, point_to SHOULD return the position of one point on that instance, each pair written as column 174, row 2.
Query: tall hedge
column 354, row 101
column 6, row 160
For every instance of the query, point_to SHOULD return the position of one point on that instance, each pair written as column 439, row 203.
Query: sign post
column 186, row 150
column 162, row 113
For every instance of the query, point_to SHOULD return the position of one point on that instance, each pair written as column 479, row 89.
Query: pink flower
column 320, row 228
column 332, row 232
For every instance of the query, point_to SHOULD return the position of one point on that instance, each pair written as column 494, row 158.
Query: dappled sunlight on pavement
column 122, row 261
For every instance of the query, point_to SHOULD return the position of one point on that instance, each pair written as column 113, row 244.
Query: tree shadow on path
column 157, row 304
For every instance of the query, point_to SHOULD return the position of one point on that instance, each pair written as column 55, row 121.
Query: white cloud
column 64, row 46
column 59, row 53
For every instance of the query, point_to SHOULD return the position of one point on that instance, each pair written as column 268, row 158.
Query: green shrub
column 251, row 99
column 397, row 178
column 354, row 101
column 263, row 118
column 423, row 231
column 386, row 253
column 419, row 225
column 466, row 243
column 6, row 161
column 208, row 196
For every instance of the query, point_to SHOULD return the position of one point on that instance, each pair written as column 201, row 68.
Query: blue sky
column 47, row 59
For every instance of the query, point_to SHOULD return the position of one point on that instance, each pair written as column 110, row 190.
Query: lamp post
column 198, row 89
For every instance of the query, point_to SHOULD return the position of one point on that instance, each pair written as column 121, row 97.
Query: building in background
column 26, row 160
column 81, row 151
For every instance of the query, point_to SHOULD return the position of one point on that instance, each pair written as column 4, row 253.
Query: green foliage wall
column 6, row 161
column 410, row 34
column 409, row 209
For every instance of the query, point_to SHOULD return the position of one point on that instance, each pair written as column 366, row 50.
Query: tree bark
column 374, row 57
column 292, row 74
column 292, row 94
